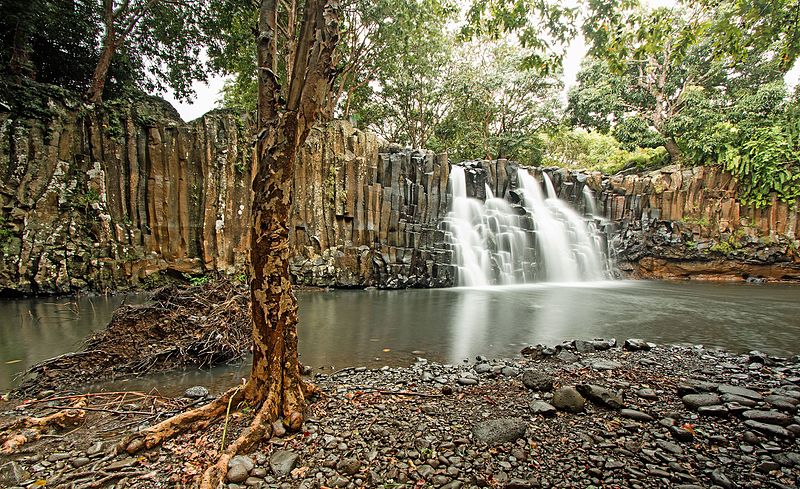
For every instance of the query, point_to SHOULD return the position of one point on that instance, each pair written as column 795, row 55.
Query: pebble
column 568, row 399
column 537, row 381
column 499, row 430
column 196, row 392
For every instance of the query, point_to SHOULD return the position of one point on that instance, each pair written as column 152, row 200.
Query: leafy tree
column 286, row 113
column 497, row 106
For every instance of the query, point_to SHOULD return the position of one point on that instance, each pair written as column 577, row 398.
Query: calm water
column 346, row 328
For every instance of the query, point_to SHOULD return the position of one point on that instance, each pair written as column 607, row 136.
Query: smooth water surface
column 347, row 328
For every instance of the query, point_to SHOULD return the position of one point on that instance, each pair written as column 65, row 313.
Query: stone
column 278, row 429
column 282, row 462
column 567, row 356
column 243, row 460
column 694, row 401
column 537, row 381
column 719, row 478
column 482, row 368
column 604, row 364
column 716, row 410
column 348, row 466
column 681, row 434
column 739, row 391
column 237, row 473
column 12, row 473
column 543, row 408
column 510, row 371
column 693, row 386
column 647, row 393
column 636, row 344
column 196, row 392
column 80, row 461
column 467, row 381
column 769, row 429
column 636, row 415
column 501, row 430
column 568, row 399
column 582, row 346
column 601, row 395
column 769, row 417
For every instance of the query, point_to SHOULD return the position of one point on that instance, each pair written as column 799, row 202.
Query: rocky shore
column 580, row 414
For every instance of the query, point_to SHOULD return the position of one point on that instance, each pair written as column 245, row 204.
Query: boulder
column 537, row 381
column 601, row 395
column 501, row 430
column 568, row 399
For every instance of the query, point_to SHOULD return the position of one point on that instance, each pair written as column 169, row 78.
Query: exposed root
column 193, row 420
column 29, row 428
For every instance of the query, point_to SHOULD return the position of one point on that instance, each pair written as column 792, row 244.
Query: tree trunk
column 673, row 150
column 95, row 93
column 20, row 62
column 275, row 376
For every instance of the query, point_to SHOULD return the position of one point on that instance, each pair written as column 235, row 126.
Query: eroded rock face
column 108, row 198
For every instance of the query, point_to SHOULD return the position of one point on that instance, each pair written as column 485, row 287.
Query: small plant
column 196, row 280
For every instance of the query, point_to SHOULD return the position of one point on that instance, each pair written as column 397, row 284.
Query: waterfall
column 495, row 242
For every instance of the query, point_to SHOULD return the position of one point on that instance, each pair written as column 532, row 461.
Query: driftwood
column 30, row 428
column 180, row 327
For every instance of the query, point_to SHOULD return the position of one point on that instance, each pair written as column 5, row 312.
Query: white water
column 493, row 243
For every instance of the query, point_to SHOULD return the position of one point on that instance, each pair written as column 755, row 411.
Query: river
column 343, row 328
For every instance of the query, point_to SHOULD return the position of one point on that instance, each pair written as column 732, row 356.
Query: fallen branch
column 29, row 428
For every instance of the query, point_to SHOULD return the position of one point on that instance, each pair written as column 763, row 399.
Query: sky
column 208, row 94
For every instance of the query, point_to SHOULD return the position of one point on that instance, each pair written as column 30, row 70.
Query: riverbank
column 645, row 416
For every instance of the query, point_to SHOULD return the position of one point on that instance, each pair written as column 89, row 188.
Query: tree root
column 198, row 418
column 29, row 428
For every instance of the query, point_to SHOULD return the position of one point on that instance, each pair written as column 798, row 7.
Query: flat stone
column 769, row 429
column 769, row 417
column 783, row 403
column 647, row 393
column 582, row 346
column 670, row 447
column 567, row 356
column 282, row 462
column 568, row 399
column 681, row 434
column 636, row 344
column 278, row 429
column 467, row 381
column 537, row 381
column 543, row 408
column 604, row 364
column 739, row 391
column 636, row 415
column 744, row 401
column 695, row 387
column 713, row 410
column 196, row 392
column 348, row 466
column 501, row 430
column 694, row 401
column 601, row 395
column 510, row 371
column 482, row 368
column 80, row 461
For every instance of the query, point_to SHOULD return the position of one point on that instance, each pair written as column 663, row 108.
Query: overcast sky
column 208, row 94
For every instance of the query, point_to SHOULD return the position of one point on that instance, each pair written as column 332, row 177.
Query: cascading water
column 544, row 240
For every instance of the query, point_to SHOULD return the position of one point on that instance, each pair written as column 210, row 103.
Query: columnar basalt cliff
column 124, row 195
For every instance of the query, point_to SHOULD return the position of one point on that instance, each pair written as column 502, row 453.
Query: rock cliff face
column 121, row 196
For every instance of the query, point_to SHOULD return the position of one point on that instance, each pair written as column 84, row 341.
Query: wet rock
column 543, row 408
column 739, row 391
column 567, row 356
column 695, row 387
column 282, row 462
column 681, row 434
column 769, row 417
column 695, row 401
column 783, row 403
column 568, row 399
column 196, row 392
column 636, row 415
column 604, row 364
column 537, row 381
column 636, row 344
column 499, row 430
column 482, row 368
column 582, row 346
column 744, row 401
column 769, row 429
column 601, row 395
column 719, row 478
column 716, row 410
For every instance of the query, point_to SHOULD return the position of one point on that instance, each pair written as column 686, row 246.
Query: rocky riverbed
column 581, row 414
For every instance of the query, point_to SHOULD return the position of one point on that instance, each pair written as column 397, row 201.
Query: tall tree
column 286, row 113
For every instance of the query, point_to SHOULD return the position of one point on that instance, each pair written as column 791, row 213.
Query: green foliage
column 578, row 148
column 7, row 235
column 196, row 280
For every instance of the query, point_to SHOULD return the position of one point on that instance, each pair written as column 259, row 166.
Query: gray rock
column 681, row 434
column 713, row 410
column 499, row 430
column 237, row 473
column 719, row 478
column 282, row 462
column 196, row 392
column 12, row 473
column 278, row 429
column 694, row 401
column 636, row 415
column 80, row 461
column 636, row 344
column 538, row 381
column 467, row 381
column 603, row 364
column 601, row 395
column 543, row 408
column 744, row 401
column 695, row 387
column 582, row 346
column 568, row 399
column 769, row 417
column 647, row 393
column 769, row 429
column 670, row 447
column 425, row 471
column 510, row 371
column 739, row 391
column 243, row 460
column 482, row 368
column 567, row 356
column 348, row 466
